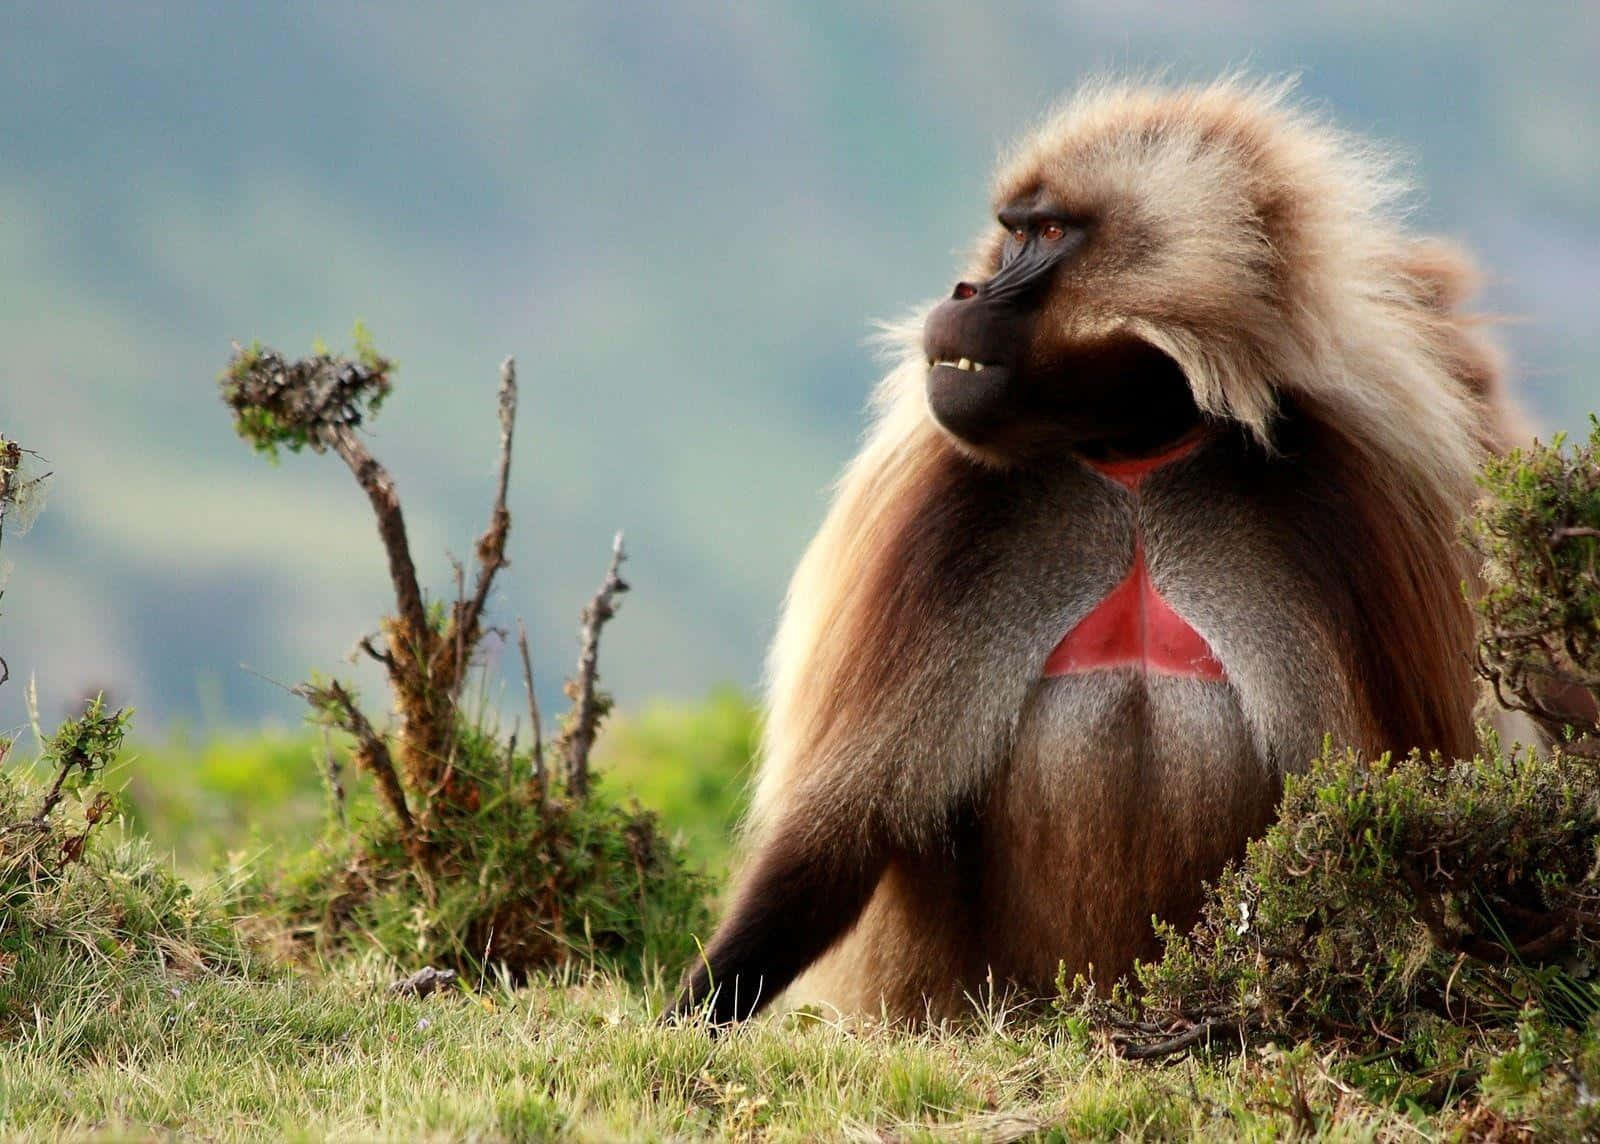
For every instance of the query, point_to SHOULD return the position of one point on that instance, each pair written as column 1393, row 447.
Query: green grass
column 231, row 794
column 332, row 1055
column 314, row 1057
column 179, row 1032
column 691, row 764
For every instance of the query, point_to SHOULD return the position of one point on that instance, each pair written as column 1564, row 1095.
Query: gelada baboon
column 1168, row 487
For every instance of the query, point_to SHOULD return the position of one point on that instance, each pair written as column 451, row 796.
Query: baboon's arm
column 800, row 896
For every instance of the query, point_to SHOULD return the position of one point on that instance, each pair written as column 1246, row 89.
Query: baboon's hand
column 794, row 903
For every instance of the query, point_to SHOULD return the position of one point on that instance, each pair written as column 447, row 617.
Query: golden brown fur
column 1260, row 249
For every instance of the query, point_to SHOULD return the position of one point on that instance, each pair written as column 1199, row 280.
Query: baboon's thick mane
column 1215, row 287
column 1262, row 249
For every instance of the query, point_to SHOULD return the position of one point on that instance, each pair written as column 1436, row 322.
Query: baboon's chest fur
column 1126, row 784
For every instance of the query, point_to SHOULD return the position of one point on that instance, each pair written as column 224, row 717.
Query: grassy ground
column 107, row 1041
column 334, row 1056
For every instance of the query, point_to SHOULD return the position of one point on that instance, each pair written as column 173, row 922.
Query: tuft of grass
column 521, row 882
column 92, row 921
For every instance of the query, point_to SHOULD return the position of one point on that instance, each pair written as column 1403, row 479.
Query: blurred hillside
column 681, row 218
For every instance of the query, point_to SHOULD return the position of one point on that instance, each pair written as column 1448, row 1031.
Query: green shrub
column 516, row 882
column 84, row 914
column 1430, row 926
column 477, row 853
column 1392, row 898
column 1434, row 924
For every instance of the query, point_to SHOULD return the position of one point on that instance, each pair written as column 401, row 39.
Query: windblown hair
column 1274, row 269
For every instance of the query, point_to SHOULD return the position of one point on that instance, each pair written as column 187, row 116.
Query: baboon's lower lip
column 971, row 403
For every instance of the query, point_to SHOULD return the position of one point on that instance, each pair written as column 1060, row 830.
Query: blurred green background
column 681, row 218
column 254, row 798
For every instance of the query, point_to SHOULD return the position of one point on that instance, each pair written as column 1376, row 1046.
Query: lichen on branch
column 307, row 402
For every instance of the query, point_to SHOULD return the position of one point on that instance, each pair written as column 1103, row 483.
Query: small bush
column 85, row 913
column 480, row 853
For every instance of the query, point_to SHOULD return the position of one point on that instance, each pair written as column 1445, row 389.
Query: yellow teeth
column 963, row 363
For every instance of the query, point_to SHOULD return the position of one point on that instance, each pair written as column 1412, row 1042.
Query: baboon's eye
column 1020, row 234
column 1052, row 232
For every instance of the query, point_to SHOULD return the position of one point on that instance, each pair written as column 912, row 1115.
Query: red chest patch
column 1133, row 626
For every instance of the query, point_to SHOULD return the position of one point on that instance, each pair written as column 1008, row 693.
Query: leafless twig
column 466, row 627
column 539, row 779
column 371, row 754
column 376, row 482
column 1561, row 534
column 52, row 797
column 334, row 770
column 12, row 490
column 10, row 461
column 588, row 708
column 365, row 644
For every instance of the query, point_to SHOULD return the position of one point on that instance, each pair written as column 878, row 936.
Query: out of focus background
column 681, row 218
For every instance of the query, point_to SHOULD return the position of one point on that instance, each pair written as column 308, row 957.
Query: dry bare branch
column 365, row 644
column 338, row 707
column 467, row 620
column 588, row 706
column 19, row 488
column 10, row 462
column 333, row 771
column 539, row 779
column 376, row 482
column 52, row 797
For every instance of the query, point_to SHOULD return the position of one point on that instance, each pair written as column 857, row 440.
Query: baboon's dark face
column 1003, row 379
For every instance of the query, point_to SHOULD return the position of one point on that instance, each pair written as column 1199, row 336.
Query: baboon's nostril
column 963, row 291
